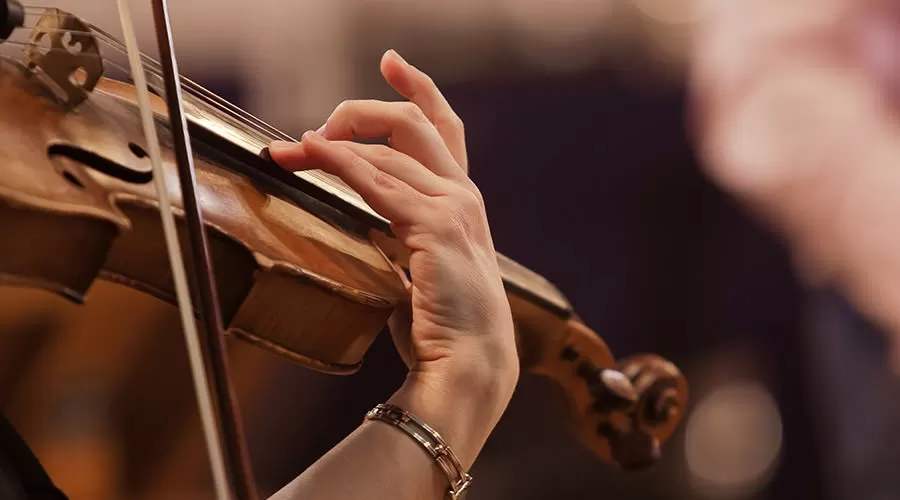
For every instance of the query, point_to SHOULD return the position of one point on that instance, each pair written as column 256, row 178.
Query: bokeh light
column 733, row 440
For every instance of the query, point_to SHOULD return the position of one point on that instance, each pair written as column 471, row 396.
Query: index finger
column 420, row 89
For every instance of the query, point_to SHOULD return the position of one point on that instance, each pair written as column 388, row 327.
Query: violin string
column 268, row 132
column 275, row 133
column 195, row 90
column 192, row 88
column 199, row 92
column 176, row 261
column 189, row 85
column 322, row 177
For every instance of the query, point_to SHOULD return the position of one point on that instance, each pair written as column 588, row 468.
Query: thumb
column 400, row 324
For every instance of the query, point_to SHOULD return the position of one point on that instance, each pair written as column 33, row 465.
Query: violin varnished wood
column 288, row 280
column 573, row 356
column 295, row 275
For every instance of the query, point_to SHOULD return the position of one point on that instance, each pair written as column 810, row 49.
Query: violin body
column 76, row 192
column 295, row 274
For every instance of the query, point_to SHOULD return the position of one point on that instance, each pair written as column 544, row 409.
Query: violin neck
column 245, row 137
column 523, row 281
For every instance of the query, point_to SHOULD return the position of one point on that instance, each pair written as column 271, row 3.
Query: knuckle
column 342, row 107
column 359, row 163
column 479, row 196
column 380, row 152
column 340, row 112
column 462, row 218
column 413, row 114
column 457, row 122
column 350, row 106
column 450, row 228
column 381, row 180
column 471, row 202
column 426, row 81
column 472, row 194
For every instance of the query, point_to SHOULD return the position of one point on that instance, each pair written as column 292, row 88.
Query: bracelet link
column 429, row 439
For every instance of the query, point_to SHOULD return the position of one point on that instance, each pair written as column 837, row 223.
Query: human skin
column 795, row 113
column 456, row 335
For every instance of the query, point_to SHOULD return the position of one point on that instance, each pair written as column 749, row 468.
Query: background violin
column 302, row 266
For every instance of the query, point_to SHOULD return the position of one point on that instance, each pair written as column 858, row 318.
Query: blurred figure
column 796, row 116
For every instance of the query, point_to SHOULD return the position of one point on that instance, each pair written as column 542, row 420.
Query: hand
column 461, row 345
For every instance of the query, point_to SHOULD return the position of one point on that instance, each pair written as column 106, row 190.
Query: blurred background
column 577, row 115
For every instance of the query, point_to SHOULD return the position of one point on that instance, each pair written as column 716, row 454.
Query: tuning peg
column 635, row 451
column 12, row 16
column 611, row 389
column 632, row 450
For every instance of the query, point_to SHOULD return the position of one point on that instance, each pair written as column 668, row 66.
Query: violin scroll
column 623, row 411
column 656, row 413
column 662, row 388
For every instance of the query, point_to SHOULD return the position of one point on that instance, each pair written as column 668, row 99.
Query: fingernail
column 321, row 130
column 398, row 56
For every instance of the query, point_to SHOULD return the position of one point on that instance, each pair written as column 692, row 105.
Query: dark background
column 593, row 183
column 590, row 179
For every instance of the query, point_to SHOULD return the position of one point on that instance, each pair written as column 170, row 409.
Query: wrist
column 462, row 401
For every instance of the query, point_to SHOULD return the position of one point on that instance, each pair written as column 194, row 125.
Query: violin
column 119, row 179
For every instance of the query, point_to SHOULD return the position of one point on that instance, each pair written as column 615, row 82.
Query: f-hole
column 72, row 179
column 102, row 164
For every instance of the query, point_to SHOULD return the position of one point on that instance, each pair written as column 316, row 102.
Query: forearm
column 376, row 461
column 379, row 461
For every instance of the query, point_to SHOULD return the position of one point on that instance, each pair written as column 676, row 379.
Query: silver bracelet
column 433, row 443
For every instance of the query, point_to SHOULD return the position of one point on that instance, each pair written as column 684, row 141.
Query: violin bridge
column 65, row 55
